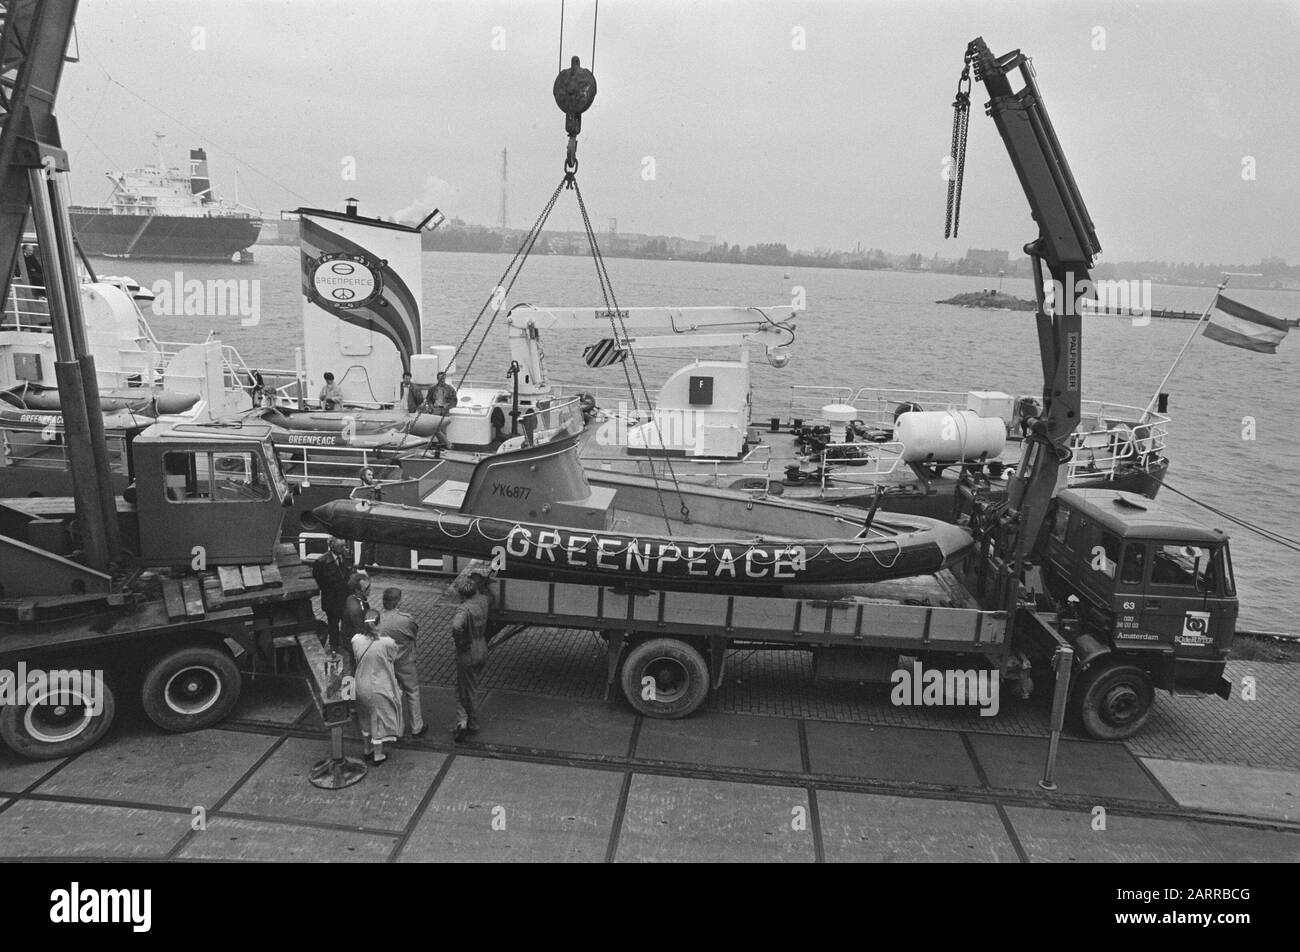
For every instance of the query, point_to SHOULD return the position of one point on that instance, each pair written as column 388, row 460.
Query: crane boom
column 682, row 326
column 1065, row 248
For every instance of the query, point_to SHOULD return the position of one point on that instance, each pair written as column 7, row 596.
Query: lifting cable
column 1274, row 537
column 574, row 90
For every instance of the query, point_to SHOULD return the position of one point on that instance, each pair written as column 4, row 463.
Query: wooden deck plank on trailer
column 193, row 595
column 232, row 580
column 271, row 576
column 173, row 599
column 252, row 576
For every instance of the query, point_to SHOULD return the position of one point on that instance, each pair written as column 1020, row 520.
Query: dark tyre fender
column 1112, row 700
column 679, row 678
column 191, row 688
column 45, row 731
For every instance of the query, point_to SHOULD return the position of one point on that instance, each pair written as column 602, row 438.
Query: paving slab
column 502, row 811
column 1085, row 768
column 558, row 724
column 726, row 740
column 871, row 828
column 272, row 699
column 178, row 770
column 70, row 830
column 677, row 819
column 889, row 753
column 259, row 841
column 17, row 774
column 1225, row 788
column 1236, row 844
column 1061, row 836
column 385, row 800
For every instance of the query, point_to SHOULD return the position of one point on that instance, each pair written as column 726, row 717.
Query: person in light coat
column 379, row 705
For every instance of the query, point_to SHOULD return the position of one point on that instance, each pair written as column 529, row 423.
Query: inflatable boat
column 534, row 514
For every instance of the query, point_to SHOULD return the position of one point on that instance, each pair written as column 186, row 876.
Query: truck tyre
column 190, row 688
column 666, row 678
column 1114, row 700
column 45, row 731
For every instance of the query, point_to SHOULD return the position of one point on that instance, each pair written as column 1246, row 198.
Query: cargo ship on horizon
column 163, row 214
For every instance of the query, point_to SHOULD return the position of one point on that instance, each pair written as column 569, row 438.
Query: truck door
column 1184, row 600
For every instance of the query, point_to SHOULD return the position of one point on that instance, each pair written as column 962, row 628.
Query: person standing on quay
column 378, row 706
column 356, row 608
column 401, row 628
column 469, row 632
column 331, row 574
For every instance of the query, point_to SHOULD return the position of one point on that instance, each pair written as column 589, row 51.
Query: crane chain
column 957, row 155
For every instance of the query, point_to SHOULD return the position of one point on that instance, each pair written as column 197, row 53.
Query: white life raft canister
column 949, row 436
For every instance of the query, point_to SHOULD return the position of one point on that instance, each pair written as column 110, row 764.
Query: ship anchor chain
column 574, row 91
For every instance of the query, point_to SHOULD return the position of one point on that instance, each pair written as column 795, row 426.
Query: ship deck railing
column 43, row 446
column 26, row 309
column 175, row 209
column 337, row 465
column 1110, row 434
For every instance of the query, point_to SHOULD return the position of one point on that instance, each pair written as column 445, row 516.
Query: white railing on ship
column 44, row 448
column 858, row 463
column 26, row 309
column 334, row 465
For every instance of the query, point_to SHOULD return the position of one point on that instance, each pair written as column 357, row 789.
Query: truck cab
column 1155, row 588
column 227, row 495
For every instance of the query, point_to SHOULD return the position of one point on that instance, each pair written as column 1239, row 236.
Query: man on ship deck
column 438, row 401
column 331, row 395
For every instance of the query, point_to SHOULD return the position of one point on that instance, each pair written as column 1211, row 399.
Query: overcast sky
column 752, row 139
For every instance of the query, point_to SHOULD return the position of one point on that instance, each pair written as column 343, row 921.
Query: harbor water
column 1234, row 440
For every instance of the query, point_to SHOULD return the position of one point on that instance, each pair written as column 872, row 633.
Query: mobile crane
column 158, row 590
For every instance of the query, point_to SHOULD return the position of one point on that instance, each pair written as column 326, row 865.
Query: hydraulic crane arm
column 1066, row 246
column 772, row 327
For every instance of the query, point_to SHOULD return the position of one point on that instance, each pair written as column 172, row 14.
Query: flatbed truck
column 1153, row 616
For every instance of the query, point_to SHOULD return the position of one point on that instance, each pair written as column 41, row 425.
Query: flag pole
column 1190, row 337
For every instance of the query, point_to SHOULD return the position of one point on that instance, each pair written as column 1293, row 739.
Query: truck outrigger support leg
column 323, row 676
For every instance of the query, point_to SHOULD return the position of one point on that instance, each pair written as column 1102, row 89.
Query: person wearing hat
column 469, row 628
column 330, row 572
column 401, row 628
column 331, row 395
column 439, row 401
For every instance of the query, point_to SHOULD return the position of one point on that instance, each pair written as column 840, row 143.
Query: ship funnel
column 200, row 184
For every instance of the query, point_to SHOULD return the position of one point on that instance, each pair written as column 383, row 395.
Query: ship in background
column 165, row 214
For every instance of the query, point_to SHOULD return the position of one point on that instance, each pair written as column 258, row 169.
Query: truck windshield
column 1184, row 566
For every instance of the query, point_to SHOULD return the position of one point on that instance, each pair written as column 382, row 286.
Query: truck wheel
column 58, row 724
column 1114, row 700
column 190, row 689
column 664, row 677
